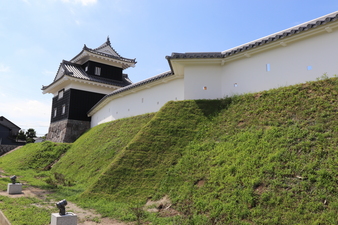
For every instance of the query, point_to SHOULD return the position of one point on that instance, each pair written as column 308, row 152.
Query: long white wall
column 298, row 62
column 141, row 102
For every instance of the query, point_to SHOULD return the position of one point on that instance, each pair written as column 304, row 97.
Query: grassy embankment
column 262, row 158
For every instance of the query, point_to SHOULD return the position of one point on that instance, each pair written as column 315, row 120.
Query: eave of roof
column 76, row 73
column 96, row 51
column 66, row 78
column 9, row 122
column 125, row 89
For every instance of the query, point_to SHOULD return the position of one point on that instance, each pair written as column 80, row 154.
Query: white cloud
column 48, row 73
column 27, row 114
column 83, row 2
column 29, row 108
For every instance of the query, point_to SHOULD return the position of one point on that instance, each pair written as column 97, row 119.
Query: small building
column 8, row 132
column 79, row 84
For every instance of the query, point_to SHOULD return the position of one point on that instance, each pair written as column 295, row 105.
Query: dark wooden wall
column 77, row 103
column 109, row 72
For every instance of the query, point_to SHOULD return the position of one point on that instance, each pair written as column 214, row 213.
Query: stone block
column 14, row 188
column 68, row 219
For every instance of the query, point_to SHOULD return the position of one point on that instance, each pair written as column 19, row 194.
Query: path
column 85, row 216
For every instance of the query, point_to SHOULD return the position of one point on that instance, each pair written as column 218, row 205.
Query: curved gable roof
column 73, row 70
column 105, row 51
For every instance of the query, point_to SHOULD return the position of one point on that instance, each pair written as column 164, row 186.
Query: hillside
column 262, row 158
column 95, row 150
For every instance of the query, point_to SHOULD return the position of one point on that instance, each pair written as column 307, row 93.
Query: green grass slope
column 138, row 170
column 32, row 161
column 263, row 158
column 94, row 151
column 268, row 158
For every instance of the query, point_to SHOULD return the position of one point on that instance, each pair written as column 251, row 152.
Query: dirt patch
column 162, row 206
column 200, row 183
column 260, row 189
column 85, row 216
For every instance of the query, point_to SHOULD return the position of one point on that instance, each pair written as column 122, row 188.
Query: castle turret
column 79, row 84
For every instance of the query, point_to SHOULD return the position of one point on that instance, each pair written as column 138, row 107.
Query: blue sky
column 36, row 35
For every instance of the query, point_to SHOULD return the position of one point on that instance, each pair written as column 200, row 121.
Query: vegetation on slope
column 140, row 167
column 30, row 164
column 266, row 158
column 94, row 151
column 32, row 161
column 262, row 158
column 269, row 158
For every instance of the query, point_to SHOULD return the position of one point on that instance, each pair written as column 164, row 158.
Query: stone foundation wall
column 67, row 130
column 6, row 148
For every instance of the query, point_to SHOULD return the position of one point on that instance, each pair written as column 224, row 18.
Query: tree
column 30, row 135
column 21, row 135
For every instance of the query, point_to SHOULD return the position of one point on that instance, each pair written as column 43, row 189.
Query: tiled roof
column 262, row 41
column 134, row 85
column 143, row 82
column 195, row 55
column 108, row 55
column 97, row 51
column 107, row 43
column 76, row 71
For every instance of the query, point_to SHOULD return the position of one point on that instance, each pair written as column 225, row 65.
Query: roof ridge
column 107, row 43
column 297, row 27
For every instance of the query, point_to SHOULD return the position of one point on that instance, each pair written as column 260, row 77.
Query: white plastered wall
column 289, row 65
column 296, row 62
column 202, row 81
column 141, row 102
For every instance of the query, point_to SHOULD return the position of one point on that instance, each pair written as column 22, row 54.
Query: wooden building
column 79, row 84
column 8, row 132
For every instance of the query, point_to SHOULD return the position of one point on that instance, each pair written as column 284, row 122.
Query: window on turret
column 55, row 112
column 60, row 95
column 63, row 109
column 98, row 71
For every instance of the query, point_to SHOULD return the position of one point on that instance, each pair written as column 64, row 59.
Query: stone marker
column 14, row 188
column 63, row 218
column 67, row 219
